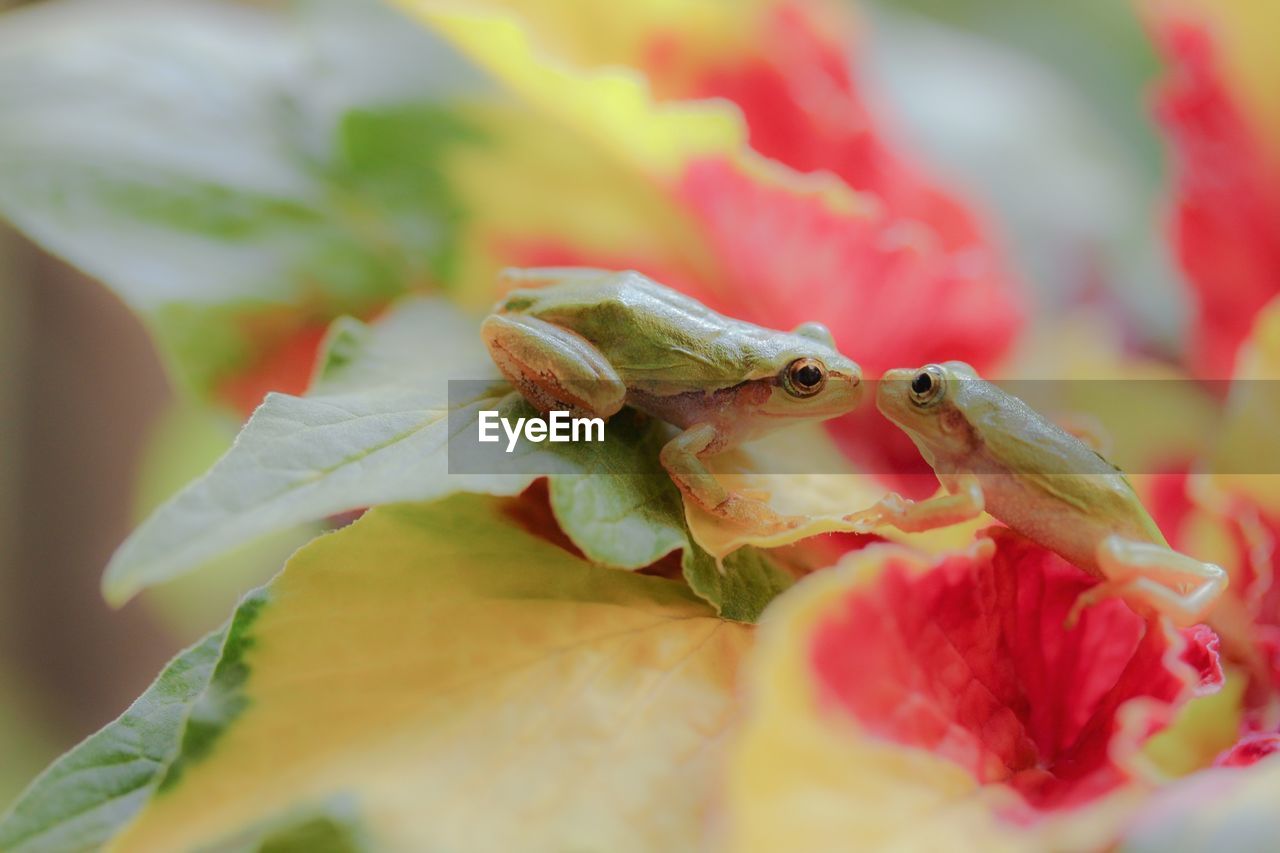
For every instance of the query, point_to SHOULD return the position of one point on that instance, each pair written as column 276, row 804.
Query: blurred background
column 1038, row 114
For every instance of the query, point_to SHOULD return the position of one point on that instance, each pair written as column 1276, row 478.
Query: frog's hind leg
column 1157, row 577
column 553, row 368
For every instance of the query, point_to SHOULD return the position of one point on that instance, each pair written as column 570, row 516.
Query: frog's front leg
column 964, row 502
column 1154, row 576
column 683, row 456
column 552, row 367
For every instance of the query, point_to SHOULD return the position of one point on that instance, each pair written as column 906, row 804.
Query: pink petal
column 972, row 661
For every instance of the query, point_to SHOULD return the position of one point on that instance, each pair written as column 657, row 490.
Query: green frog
column 993, row 452
column 591, row 341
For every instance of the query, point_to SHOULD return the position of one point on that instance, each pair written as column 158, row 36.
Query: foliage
column 309, row 206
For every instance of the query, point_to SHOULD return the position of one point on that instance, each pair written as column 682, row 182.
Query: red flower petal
column 911, row 280
column 286, row 367
column 803, row 109
column 1202, row 654
column 931, row 287
column 925, row 250
column 1249, row 750
column 1227, row 205
column 1248, row 619
column 891, row 294
column 888, row 290
column 972, row 661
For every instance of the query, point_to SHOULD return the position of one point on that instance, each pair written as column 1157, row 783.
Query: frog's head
column 931, row 405
column 809, row 378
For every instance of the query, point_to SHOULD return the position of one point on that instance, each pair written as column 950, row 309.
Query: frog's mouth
column 892, row 402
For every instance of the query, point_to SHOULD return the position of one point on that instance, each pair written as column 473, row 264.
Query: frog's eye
column 926, row 386
column 804, row 377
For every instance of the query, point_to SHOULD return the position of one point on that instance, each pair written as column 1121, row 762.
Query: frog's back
column 649, row 332
column 589, row 297
column 1052, row 487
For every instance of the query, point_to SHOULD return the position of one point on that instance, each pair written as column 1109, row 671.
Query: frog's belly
column 688, row 408
column 1055, row 524
column 682, row 410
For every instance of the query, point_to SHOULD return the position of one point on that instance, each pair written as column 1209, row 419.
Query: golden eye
column 926, row 386
column 804, row 377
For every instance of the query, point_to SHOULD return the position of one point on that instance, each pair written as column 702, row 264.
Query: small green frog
column 591, row 341
column 992, row 451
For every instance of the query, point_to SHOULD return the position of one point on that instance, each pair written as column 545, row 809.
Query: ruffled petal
column 934, row 697
column 1227, row 193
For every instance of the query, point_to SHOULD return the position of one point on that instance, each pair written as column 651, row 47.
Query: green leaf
column 431, row 666
column 392, row 158
column 740, row 586
column 632, row 520
column 228, row 170
column 421, row 343
column 187, row 439
column 627, row 512
column 304, row 459
column 333, row 827
column 376, row 430
column 91, row 792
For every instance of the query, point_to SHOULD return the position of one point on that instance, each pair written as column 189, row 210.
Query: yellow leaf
column 593, row 33
column 462, row 684
column 822, row 485
column 612, row 109
column 799, row 779
column 806, row 774
column 588, row 162
column 536, row 186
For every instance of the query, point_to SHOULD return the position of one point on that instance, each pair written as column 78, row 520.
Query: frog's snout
column 889, row 388
column 896, row 377
column 848, row 368
column 852, row 379
column 850, row 376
